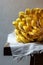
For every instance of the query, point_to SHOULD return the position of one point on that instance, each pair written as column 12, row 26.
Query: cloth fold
column 20, row 50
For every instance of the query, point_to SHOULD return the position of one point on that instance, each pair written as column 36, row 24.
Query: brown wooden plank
column 7, row 50
column 36, row 59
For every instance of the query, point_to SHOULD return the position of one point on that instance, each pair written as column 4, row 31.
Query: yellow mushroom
column 33, row 23
column 24, row 20
column 41, row 22
column 26, row 28
column 28, row 21
column 27, row 11
column 18, row 20
column 20, row 25
column 15, row 24
column 21, row 14
column 40, row 38
column 17, row 31
column 18, row 38
column 41, row 12
column 25, row 35
column 29, row 25
column 23, row 39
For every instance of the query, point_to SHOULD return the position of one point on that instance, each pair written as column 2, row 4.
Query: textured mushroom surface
column 29, row 25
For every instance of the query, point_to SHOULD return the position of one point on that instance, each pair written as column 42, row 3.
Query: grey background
column 8, row 12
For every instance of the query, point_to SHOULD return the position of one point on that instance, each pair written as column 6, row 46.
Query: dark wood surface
column 36, row 59
column 7, row 50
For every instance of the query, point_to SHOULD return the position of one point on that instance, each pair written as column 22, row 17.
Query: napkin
column 20, row 50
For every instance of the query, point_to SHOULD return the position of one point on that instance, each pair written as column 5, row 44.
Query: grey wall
column 8, row 12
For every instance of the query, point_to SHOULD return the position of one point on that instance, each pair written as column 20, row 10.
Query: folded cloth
column 20, row 50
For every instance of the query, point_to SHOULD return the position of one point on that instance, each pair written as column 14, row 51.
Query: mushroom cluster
column 29, row 25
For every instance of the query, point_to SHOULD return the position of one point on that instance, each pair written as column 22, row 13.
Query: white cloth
column 20, row 50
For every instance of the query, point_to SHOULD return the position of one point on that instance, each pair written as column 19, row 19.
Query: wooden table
column 36, row 59
column 7, row 50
